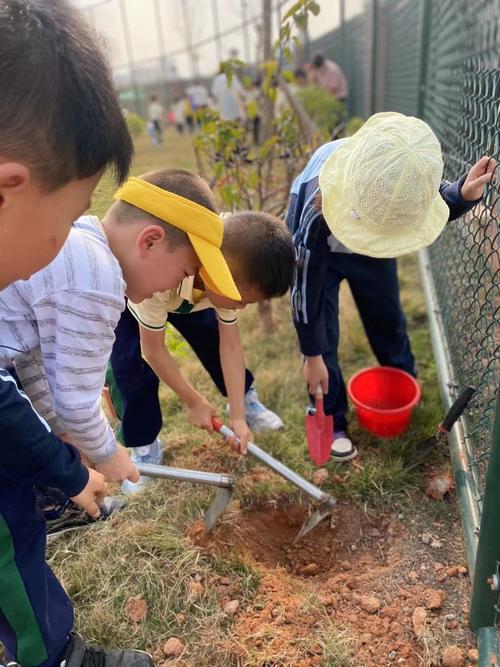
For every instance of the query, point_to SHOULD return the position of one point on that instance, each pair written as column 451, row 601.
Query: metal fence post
column 343, row 42
column 130, row 57
column 486, row 587
column 374, row 61
column 424, row 56
column 488, row 647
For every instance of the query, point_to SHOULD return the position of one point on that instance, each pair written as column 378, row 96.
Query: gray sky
column 145, row 39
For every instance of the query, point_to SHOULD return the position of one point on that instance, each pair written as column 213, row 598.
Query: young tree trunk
column 267, row 111
column 266, row 316
column 267, row 114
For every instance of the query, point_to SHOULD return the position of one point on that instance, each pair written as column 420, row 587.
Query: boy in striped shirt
column 62, row 320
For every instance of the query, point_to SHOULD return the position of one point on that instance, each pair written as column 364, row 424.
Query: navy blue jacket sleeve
column 29, row 451
column 451, row 194
column 308, row 290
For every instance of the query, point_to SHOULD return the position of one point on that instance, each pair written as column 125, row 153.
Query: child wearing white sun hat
column 358, row 204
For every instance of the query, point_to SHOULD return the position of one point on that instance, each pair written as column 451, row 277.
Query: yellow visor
column 204, row 228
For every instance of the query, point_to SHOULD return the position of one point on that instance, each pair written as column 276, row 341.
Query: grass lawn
column 289, row 612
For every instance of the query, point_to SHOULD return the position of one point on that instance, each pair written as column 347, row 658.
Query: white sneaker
column 342, row 448
column 152, row 453
column 260, row 418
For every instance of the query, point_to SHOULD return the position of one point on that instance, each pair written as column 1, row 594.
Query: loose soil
column 266, row 536
column 366, row 573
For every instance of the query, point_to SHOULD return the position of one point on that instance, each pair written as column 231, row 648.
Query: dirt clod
column 196, row 590
column 369, row 603
column 440, row 486
column 453, row 656
column 473, row 655
column 455, row 571
column 136, row 609
column 320, row 476
column 434, row 599
column 231, row 607
column 173, row 647
column 418, row 619
column 197, row 532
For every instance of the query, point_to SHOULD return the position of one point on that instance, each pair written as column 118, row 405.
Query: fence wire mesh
column 400, row 47
column 462, row 103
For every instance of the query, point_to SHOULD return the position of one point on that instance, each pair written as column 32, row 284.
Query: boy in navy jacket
column 358, row 204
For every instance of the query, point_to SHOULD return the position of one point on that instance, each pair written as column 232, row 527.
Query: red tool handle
column 318, row 403
column 217, row 424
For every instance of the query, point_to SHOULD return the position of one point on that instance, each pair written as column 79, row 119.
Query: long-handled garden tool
column 225, row 483
column 326, row 501
column 319, row 431
column 424, row 448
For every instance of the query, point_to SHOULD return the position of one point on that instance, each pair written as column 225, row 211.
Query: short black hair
column 179, row 181
column 260, row 252
column 317, row 60
column 59, row 112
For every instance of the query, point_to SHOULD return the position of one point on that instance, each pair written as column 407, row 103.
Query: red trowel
column 319, row 430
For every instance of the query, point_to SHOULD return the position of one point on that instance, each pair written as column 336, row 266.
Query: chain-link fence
column 440, row 59
column 462, row 104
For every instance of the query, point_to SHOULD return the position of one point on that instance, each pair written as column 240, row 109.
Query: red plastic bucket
column 384, row 398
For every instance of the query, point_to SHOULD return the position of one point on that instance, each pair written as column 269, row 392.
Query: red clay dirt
column 356, row 568
column 266, row 536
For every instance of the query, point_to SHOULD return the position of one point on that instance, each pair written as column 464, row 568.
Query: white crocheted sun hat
column 380, row 187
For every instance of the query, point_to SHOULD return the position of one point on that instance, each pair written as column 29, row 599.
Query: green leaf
column 314, row 8
column 267, row 147
column 252, row 181
column 293, row 9
column 300, row 21
column 285, row 32
column 218, row 170
column 252, row 109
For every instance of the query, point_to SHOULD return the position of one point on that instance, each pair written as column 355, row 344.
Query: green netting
column 400, row 40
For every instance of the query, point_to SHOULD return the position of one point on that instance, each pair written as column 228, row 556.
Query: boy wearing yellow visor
column 64, row 317
column 259, row 251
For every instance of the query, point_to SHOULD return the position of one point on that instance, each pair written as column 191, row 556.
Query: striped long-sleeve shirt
column 61, row 325
column 314, row 242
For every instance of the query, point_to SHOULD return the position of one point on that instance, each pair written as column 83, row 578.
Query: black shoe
column 80, row 654
column 73, row 518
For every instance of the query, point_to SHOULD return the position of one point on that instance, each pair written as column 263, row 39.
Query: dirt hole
column 265, row 535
